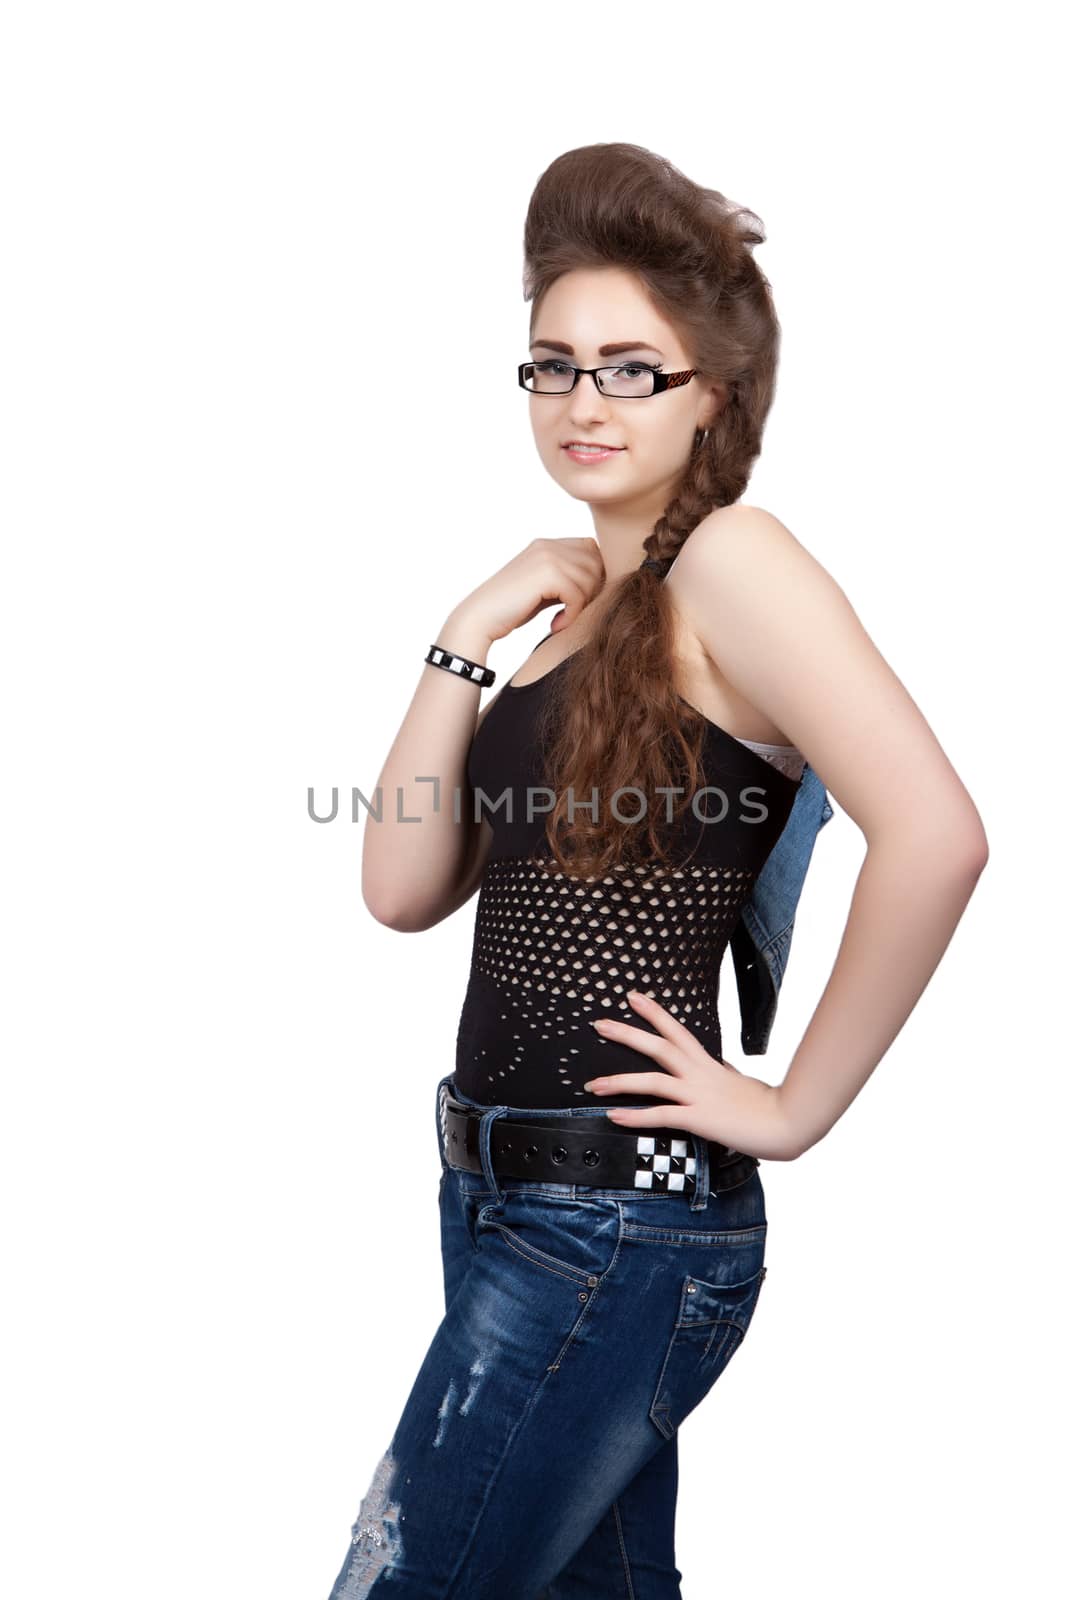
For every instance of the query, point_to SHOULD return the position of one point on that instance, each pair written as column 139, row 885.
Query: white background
column 261, row 432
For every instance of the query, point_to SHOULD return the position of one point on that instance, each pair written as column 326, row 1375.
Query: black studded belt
column 574, row 1150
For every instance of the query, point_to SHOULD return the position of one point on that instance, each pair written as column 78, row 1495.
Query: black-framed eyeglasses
column 633, row 380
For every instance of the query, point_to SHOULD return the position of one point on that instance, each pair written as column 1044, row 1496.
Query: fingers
column 658, row 1083
column 660, row 1017
column 669, row 1116
column 662, row 1047
column 639, row 1039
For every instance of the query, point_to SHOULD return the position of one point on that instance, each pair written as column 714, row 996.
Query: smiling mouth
column 594, row 449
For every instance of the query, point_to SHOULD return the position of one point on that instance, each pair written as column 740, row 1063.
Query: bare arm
column 419, row 862
column 416, row 873
column 781, row 629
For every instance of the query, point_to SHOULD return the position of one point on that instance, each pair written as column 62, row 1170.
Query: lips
column 586, row 444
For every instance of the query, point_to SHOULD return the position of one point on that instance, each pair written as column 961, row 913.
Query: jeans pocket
column 712, row 1321
column 575, row 1239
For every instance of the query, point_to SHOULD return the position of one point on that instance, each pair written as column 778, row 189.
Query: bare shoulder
column 785, row 637
column 742, row 567
column 742, row 562
column 740, row 539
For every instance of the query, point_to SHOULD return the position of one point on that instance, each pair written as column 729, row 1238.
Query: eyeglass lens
column 556, row 377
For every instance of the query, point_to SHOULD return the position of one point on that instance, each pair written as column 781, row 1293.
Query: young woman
column 642, row 795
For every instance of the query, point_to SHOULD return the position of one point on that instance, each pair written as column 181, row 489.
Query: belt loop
column 701, row 1188
column 442, row 1090
column 485, row 1127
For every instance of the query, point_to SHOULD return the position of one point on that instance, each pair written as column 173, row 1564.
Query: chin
column 587, row 493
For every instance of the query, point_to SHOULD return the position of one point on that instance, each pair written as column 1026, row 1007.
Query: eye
column 633, row 367
column 558, row 367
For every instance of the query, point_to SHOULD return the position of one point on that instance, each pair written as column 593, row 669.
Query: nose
column 592, row 391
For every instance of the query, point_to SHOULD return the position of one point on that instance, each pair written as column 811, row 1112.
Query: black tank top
column 551, row 953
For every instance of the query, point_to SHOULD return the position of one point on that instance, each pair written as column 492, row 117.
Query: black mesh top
column 551, row 953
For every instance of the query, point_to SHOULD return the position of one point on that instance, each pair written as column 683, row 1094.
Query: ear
column 718, row 395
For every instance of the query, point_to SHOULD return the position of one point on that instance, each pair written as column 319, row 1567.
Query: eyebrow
column 605, row 349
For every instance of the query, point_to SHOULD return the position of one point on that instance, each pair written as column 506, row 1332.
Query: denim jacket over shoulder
column 760, row 942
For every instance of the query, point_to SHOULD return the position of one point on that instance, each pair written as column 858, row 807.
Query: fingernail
column 594, row 1084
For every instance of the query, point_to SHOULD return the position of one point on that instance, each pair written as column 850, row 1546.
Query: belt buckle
column 665, row 1165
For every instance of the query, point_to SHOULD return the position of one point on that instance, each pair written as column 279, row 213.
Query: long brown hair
column 621, row 723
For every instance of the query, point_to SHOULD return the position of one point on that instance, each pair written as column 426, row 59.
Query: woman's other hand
column 547, row 573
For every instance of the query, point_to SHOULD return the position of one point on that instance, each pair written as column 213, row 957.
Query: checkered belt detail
column 665, row 1164
column 571, row 1150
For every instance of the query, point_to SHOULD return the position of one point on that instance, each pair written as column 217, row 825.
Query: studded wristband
column 437, row 656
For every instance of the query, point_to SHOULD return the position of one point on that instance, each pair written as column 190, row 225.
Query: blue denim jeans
column 536, row 1456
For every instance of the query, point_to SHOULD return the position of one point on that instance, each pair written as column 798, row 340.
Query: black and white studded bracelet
column 437, row 656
